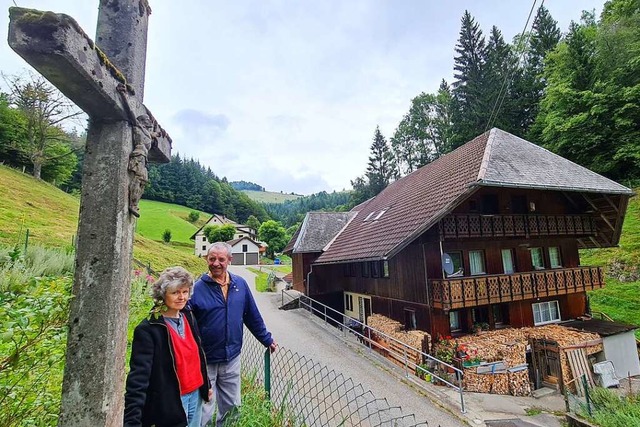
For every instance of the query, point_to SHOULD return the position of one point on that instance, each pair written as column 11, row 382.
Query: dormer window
column 379, row 214
column 368, row 217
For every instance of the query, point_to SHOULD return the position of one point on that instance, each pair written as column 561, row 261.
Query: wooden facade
column 537, row 232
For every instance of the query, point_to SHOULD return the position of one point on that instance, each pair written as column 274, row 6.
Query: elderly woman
column 168, row 381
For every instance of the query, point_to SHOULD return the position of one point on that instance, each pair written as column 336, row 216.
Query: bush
column 34, row 318
column 193, row 216
column 166, row 236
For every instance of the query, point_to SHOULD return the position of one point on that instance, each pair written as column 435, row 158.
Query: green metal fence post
column 267, row 373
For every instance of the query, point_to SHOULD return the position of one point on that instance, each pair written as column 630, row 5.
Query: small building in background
column 201, row 243
column 244, row 251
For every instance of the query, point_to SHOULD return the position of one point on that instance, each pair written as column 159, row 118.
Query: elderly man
column 222, row 302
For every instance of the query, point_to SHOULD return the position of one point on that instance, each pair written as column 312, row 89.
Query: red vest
column 187, row 359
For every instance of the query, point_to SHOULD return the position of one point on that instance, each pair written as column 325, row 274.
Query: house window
column 498, row 315
column 348, row 302
column 379, row 214
column 245, row 248
column 490, row 204
column 410, row 323
column 546, row 312
column 554, row 257
column 537, row 260
column 476, row 262
column 368, row 217
column 375, row 269
column 519, row 205
column 365, row 269
column 385, row 268
column 352, row 269
column 507, row 261
column 454, row 320
column 204, row 238
column 456, row 260
column 204, row 247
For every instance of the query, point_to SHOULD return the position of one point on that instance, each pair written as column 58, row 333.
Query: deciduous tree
column 45, row 109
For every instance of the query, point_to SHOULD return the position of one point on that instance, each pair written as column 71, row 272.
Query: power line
column 508, row 78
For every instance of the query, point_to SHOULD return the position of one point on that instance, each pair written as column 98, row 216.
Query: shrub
column 166, row 236
column 32, row 345
column 193, row 216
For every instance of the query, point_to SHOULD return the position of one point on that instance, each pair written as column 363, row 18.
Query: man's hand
column 210, row 395
column 273, row 347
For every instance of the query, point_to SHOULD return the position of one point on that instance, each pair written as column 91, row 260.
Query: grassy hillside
column 155, row 217
column 269, row 196
column 52, row 217
column 620, row 298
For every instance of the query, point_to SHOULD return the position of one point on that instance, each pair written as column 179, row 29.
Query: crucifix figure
column 106, row 80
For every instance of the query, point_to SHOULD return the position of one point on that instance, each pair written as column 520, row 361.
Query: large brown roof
column 408, row 207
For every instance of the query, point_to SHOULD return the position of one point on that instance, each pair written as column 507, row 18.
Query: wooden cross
column 106, row 80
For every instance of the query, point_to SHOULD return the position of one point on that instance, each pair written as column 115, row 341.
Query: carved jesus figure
column 143, row 136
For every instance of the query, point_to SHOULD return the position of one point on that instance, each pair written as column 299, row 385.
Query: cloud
column 199, row 120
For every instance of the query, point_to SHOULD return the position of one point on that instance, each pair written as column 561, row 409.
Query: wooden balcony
column 463, row 226
column 500, row 288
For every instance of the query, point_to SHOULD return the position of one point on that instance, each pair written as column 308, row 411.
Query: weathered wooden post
column 106, row 80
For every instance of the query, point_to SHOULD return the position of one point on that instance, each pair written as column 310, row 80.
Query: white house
column 201, row 243
column 245, row 251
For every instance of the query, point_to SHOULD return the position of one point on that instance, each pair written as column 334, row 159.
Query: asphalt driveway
column 297, row 331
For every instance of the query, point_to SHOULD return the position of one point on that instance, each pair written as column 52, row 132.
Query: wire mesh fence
column 310, row 394
column 603, row 406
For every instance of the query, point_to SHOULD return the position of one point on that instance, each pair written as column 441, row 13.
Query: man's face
column 218, row 261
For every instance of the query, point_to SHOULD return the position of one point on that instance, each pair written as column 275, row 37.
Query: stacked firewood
column 509, row 346
column 415, row 339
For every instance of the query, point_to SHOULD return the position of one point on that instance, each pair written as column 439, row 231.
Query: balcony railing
column 457, row 226
column 500, row 288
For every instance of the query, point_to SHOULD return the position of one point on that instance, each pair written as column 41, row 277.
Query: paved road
column 298, row 332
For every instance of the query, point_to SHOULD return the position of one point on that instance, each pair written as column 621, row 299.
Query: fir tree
column 380, row 169
column 469, row 72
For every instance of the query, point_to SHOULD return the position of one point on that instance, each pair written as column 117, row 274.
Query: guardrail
column 365, row 336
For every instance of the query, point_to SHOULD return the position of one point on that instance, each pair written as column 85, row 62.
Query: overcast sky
column 287, row 94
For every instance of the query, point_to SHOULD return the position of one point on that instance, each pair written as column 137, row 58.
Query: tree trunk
column 37, row 169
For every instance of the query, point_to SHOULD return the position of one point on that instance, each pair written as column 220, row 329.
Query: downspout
column 308, row 279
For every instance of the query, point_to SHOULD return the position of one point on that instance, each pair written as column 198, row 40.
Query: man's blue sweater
column 221, row 321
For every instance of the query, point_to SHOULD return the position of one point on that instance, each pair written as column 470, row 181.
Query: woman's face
column 177, row 298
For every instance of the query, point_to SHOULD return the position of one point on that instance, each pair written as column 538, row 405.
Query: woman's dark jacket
column 152, row 395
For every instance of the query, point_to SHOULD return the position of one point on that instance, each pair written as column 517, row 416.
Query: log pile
column 416, row 339
column 510, row 345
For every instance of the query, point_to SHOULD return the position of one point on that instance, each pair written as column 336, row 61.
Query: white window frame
column 546, row 307
column 471, row 263
column 541, row 252
column 348, row 302
column 555, row 260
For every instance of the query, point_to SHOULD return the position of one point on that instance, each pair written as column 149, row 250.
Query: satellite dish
column 447, row 263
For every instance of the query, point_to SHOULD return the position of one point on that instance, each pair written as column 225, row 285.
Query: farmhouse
column 485, row 237
column 201, row 243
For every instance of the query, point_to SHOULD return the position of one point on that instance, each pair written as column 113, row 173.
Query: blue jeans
column 192, row 404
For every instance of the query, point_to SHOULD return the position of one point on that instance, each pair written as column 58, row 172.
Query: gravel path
column 297, row 331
